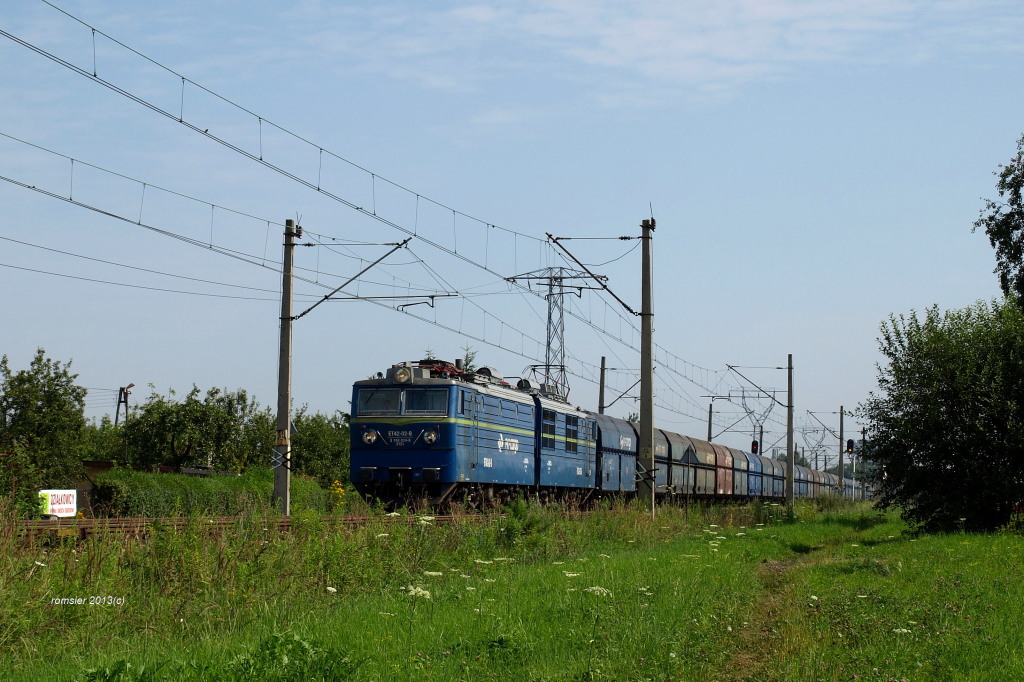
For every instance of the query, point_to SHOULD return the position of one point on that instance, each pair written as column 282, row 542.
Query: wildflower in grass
column 557, row 563
column 599, row 591
column 671, row 654
column 392, row 514
column 571, row 575
column 385, row 613
column 463, row 575
column 740, row 534
column 383, row 535
column 332, row 590
column 40, row 563
column 814, row 598
column 470, row 588
column 712, row 525
column 720, row 537
column 489, row 580
column 901, row 631
column 337, row 495
column 414, row 591
column 433, row 574
column 604, row 556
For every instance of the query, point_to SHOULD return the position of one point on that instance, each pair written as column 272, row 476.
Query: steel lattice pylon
column 552, row 373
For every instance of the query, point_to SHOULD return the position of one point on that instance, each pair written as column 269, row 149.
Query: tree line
column 946, row 423
column 45, row 435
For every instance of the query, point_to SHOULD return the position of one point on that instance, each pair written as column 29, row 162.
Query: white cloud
column 697, row 43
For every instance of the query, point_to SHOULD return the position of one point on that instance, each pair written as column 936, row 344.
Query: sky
column 813, row 167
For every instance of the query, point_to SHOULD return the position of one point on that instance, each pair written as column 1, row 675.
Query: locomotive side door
column 474, row 405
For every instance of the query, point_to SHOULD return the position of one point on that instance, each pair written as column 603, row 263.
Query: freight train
column 431, row 431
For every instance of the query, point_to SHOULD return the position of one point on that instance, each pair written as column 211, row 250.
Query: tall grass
column 540, row 593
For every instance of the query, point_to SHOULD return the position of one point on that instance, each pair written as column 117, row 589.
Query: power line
column 371, row 212
column 133, row 286
column 133, row 267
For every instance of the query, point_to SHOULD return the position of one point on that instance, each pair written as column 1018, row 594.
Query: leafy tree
column 320, row 446
column 468, row 359
column 42, row 414
column 1003, row 222
column 946, row 428
column 800, row 460
column 103, row 441
column 20, row 479
column 222, row 429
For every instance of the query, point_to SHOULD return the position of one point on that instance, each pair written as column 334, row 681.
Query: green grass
column 727, row 593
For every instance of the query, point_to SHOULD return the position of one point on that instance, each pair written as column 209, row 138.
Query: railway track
column 139, row 527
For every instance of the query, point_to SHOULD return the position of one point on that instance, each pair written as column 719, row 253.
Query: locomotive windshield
column 391, row 401
column 426, row 401
column 379, row 401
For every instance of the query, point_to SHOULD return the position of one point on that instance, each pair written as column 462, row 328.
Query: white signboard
column 62, row 503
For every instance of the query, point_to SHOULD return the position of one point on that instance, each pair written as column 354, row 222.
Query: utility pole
column 863, row 463
column 122, row 399
column 842, row 446
column 646, row 486
column 600, row 390
column 283, row 446
column 790, row 492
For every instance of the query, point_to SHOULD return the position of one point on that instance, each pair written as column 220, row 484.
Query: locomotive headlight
column 369, row 436
column 430, row 437
column 403, row 375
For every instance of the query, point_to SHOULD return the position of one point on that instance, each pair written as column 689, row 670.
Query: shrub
column 124, row 492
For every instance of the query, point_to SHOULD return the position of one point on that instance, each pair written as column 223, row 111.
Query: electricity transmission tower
column 559, row 282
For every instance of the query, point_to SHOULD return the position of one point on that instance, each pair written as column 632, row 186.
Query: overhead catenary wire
column 372, row 212
column 259, row 158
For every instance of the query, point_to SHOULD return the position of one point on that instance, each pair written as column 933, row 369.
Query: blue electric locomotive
column 428, row 429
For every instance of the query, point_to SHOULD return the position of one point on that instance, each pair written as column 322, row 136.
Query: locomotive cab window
column 379, row 401
column 426, row 401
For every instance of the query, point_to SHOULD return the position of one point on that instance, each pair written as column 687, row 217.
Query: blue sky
column 813, row 167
